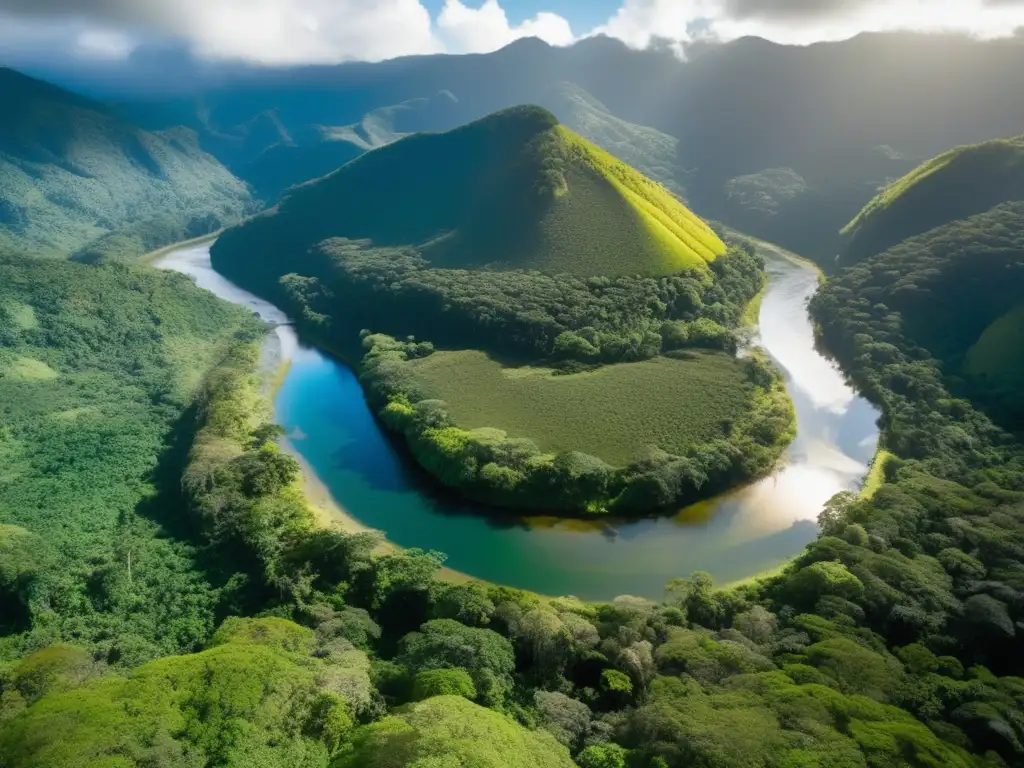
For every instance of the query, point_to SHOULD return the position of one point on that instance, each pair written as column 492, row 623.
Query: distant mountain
column 74, row 177
column 513, row 190
column 326, row 148
column 955, row 185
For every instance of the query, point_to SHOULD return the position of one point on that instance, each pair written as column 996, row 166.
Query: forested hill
column 513, row 190
column 74, row 177
column 957, row 291
column 954, row 185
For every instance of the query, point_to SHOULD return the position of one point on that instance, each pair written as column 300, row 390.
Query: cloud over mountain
column 279, row 32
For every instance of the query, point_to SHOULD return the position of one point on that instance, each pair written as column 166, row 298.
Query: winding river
column 748, row 532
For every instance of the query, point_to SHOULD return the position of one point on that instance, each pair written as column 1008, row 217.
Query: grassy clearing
column 611, row 413
column 752, row 312
column 999, row 352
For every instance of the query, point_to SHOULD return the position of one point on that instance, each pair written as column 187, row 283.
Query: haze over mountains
column 843, row 118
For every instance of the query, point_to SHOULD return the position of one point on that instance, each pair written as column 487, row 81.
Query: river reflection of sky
column 736, row 536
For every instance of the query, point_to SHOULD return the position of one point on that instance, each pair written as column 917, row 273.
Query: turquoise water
column 748, row 532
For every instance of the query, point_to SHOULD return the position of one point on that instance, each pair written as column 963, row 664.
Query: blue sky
column 582, row 15
column 285, row 32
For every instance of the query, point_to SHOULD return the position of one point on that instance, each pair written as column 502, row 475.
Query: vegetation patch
column 29, row 369
column 999, row 352
column 83, row 438
column 667, row 455
column 613, row 412
column 76, row 179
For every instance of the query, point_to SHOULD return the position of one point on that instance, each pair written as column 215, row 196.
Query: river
column 743, row 534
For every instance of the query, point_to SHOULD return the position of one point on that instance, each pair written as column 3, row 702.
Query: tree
column 444, row 643
column 443, row 682
column 449, row 730
column 602, row 756
column 565, row 718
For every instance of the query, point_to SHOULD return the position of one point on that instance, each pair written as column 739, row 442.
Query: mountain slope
column 650, row 151
column 954, row 185
column 71, row 173
column 514, row 190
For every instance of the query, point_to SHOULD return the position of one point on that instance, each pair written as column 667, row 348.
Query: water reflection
column 739, row 535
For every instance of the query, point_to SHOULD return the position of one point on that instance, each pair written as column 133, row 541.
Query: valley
column 322, row 407
column 448, row 410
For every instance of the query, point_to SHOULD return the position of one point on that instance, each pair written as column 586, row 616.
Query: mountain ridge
column 75, row 178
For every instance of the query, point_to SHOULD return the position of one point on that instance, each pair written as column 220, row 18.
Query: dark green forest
column 888, row 642
column 952, row 186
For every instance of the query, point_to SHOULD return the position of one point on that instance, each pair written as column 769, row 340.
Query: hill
column 956, row 291
column 74, row 176
column 315, row 151
column 954, row 185
column 513, row 190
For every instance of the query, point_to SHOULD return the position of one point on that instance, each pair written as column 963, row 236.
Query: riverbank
column 329, row 512
column 356, row 478
column 152, row 256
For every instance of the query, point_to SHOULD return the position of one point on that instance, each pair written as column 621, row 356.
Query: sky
column 285, row 32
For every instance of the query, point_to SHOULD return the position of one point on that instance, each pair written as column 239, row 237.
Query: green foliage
column 602, row 756
column 932, row 298
column 994, row 363
column 49, row 670
column 75, row 177
column 448, row 730
column 88, row 484
column 271, row 632
column 241, row 702
column 651, row 152
column 612, row 413
column 513, row 312
column 443, row 682
column 447, row 644
column 765, row 192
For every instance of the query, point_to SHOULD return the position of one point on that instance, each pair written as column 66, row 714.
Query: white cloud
column 475, row 30
column 286, row 31
column 639, row 22
column 304, row 31
column 327, row 31
column 103, row 44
